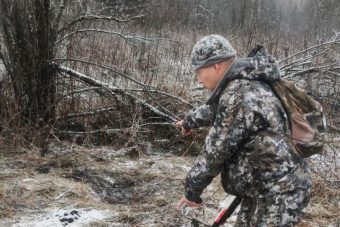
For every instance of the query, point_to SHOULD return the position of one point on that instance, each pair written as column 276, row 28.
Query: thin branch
column 99, row 17
column 119, row 73
column 158, row 104
column 157, row 123
column 85, row 79
column 297, row 63
column 114, row 70
column 335, row 68
column 143, row 85
column 204, row 9
column 307, row 58
column 312, row 69
column 61, row 10
column 126, row 37
column 114, row 90
column 311, row 48
column 72, row 93
column 333, row 73
column 108, row 131
column 162, row 93
column 80, row 91
column 88, row 113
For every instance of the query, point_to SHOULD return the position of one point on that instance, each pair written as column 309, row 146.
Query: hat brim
column 213, row 60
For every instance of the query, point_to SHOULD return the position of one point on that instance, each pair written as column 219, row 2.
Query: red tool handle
column 226, row 212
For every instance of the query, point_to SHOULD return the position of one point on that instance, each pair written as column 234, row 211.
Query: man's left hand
column 185, row 132
column 183, row 201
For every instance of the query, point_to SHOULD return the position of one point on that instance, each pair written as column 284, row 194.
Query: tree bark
column 28, row 49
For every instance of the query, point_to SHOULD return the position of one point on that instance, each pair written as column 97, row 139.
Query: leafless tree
column 29, row 32
column 56, row 50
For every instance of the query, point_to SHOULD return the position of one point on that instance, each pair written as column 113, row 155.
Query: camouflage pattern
column 264, row 170
column 210, row 50
column 281, row 210
column 201, row 116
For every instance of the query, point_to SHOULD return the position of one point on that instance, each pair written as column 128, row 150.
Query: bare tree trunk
column 28, row 48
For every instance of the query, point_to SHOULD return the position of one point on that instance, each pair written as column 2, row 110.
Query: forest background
column 80, row 74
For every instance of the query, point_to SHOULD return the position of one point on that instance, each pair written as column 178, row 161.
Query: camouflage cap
column 210, row 50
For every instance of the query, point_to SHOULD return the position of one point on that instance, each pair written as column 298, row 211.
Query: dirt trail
column 77, row 186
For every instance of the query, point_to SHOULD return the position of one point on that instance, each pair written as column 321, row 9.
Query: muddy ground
column 78, row 186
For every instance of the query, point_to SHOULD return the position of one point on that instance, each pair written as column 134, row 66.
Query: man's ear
column 217, row 67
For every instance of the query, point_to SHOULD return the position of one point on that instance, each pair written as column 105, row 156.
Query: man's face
column 209, row 76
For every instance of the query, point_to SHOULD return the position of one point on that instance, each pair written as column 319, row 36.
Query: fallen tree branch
column 88, row 113
column 120, row 73
column 139, row 83
column 162, row 93
column 79, row 91
column 114, row 90
column 111, row 69
column 108, row 131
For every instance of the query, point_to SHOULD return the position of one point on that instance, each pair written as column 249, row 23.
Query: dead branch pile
column 315, row 67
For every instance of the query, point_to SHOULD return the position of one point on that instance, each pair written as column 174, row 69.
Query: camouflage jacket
column 250, row 164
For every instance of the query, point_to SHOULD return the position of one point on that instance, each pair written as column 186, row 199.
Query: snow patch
column 63, row 217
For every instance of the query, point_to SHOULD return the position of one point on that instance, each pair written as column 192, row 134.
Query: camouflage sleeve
column 229, row 130
column 202, row 116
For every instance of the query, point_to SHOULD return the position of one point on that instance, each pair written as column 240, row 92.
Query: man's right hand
column 185, row 132
column 184, row 202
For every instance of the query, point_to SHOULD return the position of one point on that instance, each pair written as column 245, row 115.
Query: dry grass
column 146, row 188
column 77, row 175
column 324, row 208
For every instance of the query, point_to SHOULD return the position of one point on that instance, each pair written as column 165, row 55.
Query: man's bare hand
column 184, row 202
column 185, row 132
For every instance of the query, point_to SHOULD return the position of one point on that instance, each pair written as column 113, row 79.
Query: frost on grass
column 105, row 187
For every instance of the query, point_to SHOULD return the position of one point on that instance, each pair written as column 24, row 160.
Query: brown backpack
column 304, row 114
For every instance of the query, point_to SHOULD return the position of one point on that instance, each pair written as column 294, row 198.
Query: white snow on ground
column 63, row 217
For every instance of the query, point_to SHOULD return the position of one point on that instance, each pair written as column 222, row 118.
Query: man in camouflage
column 245, row 115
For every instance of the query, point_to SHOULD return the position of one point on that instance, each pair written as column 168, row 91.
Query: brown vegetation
column 95, row 73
